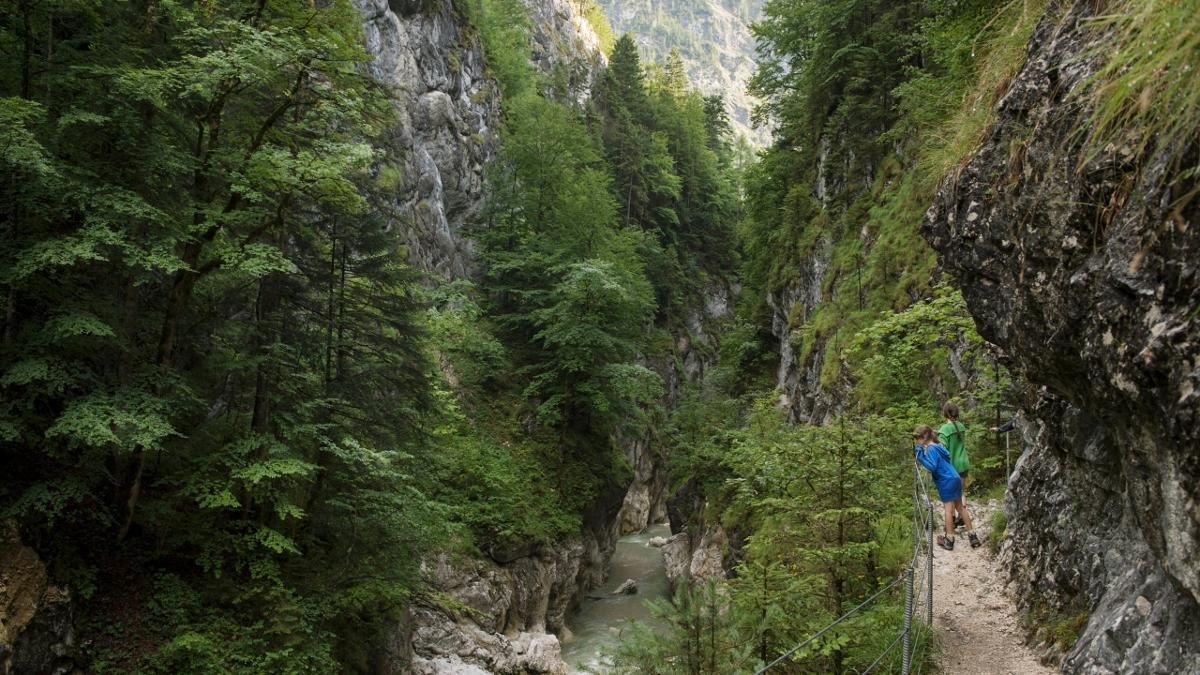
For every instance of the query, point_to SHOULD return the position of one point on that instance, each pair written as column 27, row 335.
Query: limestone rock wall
column 500, row 612
column 1085, row 269
column 564, row 47
column 447, row 113
column 36, row 631
column 693, row 356
column 798, row 379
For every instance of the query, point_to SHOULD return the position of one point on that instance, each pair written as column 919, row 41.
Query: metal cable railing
column 918, row 591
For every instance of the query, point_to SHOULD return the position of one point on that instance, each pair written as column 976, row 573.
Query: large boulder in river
column 627, row 587
column 690, row 558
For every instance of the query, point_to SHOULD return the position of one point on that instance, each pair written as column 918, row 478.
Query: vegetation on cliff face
column 233, row 418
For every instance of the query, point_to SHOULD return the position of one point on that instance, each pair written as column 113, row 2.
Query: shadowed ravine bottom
column 599, row 624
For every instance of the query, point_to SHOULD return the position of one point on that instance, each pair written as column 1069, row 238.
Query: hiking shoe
column 945, row 542
column 974, row 540
column 958, row 522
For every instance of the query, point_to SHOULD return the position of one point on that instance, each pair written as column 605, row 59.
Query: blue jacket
column 936, row 459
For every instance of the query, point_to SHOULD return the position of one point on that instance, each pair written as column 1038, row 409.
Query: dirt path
column 977, row 622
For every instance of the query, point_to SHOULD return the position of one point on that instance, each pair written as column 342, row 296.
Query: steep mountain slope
column 501, row 608
column 713, row 38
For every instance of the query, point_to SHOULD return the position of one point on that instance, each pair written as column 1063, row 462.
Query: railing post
column 916, row 505
column 906, row 659
column 929, row 571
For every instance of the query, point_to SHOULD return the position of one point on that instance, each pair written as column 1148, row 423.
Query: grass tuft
column 999, row 525
column 1147, row 93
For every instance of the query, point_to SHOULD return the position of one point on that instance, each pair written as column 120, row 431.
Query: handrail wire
column 923, row 517
column 824, row 630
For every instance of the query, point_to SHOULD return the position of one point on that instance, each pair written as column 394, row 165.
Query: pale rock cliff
column 1085, row 270
column 448, row 109
column 501, row 613
column 564, row 47
column 447, row 112
column 693, row 356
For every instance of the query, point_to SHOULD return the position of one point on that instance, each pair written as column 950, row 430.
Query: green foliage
column 586, row 201
column 1061, row 626
column 826, row 524
column 494, row 482
column 588, row 334
column 212, row 368
column 594, row 14
column 904, row 356
column 671, row 173
column 996, row 536
column 831, row 74
column 504, row 28
column 699, row 637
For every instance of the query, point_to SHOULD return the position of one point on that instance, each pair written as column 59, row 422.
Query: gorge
column 392, row 336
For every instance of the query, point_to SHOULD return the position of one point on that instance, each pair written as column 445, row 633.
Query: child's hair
column 923, row 433
column 950, row 410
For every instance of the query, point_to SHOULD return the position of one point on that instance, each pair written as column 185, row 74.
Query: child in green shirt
column 952, row 435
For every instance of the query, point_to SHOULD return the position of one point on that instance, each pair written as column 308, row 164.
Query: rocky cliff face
column 564, row 47
column 499, row 613
column 694, row 354
column 1086, row 272
column 447, row 111
column 798, row 379
column 36, row 631
column 502, row 613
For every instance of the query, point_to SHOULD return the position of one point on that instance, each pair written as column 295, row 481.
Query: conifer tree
column 675, row 75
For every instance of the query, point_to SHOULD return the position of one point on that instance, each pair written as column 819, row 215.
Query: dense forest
column 234, row 417
column 238, row 419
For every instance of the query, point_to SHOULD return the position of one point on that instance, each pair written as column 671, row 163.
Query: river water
column 598, row 624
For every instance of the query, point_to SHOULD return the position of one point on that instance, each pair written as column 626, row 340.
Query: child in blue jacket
column 936, row 459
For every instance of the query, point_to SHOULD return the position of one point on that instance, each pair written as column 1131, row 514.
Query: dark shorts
column 949, row 491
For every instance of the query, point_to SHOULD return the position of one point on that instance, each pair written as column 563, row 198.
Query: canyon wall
column 1081, row 261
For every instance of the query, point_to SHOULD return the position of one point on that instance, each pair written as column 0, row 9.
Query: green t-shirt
column 951, row 435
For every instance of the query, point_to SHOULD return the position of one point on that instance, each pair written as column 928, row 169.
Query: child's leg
column 961, row 504
column 948, row 510
column 966, row 481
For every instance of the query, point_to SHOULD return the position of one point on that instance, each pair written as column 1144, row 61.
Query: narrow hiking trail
column 977, row 622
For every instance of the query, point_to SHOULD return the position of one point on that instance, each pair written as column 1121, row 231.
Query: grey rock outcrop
column 502, row 617
column 448, row 109
column 691, row 558
column 627, row 587
column 564, row 47
column 1085, row 269
column 37, row 634
column 694, row 354
column 445, row 134
column 798, row 379
column 503, row 609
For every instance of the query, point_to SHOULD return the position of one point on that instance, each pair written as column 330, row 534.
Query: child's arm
column 924, row 458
